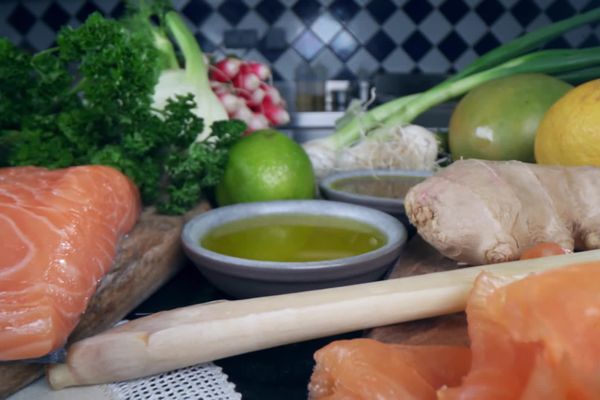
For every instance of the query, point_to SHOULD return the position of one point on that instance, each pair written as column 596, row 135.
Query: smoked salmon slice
column 367, row 369
column 535, row 338
column 531, row 339
column 59, row 234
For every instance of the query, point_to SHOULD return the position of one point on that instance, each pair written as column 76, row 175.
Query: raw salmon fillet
column 531, row 339
column 59, row 233
column 536, row 338
column 367, row 369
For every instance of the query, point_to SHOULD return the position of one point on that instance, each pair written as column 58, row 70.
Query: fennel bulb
column 192, row 79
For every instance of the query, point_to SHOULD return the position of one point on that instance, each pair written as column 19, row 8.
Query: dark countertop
column 277, row 373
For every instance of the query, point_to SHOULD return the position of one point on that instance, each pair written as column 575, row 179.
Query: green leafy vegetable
column 90, row 100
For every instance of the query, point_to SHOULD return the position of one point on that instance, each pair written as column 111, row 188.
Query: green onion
column 545, row 61
column 404, row 108
column 527, row 42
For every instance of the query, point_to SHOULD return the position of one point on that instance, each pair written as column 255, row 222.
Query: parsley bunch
column 89, row 101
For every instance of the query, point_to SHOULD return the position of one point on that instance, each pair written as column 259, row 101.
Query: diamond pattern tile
column 380, row 45
column 233, row 10
column 89, row 7
column 454, row 10
column 344, row 45
column 307, row 10
column 525, row 11
column 343, row 10
column 417, row 10
column 21, row 19
column 348, row 37
column 55, row 17
column 308, row 45
column 270, row 10
column 197, row 11
column 417, row 46
column 381, row 9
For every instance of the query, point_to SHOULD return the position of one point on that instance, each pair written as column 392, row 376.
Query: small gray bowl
column 393, row 206
column 244, row 278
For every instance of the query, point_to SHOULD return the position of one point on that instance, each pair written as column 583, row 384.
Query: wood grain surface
column 420, row 258
column 147, row 258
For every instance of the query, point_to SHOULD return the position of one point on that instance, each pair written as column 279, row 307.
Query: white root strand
column 206, row 332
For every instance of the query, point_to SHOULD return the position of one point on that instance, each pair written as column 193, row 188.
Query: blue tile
column 268, row 52
column 197, row 11
column 525, row 11
column 233, row 11
column 308, row 45
column 119, row 10
column 206, row 44
column 381, row 10
column 88, row 8
column 453, row 46
column 307, row 10
column 454, row 10
column 560, row 9
column 557, row 43
column 345, row 75
column 21, row 19
column 417, row 10
column 490, row 10
column 486, row 43
column 380, row 45
column 416, row 46
column 344, row 10
column 270, row 10
column 55, row 17
column 344, row 45
column 591, row 41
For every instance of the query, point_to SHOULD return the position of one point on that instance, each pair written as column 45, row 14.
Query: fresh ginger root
column 482, row 212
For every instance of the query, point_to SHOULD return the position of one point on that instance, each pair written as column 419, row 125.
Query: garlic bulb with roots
column 403, row 147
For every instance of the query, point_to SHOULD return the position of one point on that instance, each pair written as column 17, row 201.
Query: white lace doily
column 200, row 382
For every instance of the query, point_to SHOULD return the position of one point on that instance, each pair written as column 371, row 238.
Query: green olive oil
column 293, row 238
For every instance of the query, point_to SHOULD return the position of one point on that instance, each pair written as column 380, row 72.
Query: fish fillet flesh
column 531, row 339
column 362, row 369
column 59, row 234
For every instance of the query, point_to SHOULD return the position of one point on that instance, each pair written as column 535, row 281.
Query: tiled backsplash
column 349, row 38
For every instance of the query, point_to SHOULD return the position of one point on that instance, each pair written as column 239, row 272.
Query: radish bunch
column 244, row 90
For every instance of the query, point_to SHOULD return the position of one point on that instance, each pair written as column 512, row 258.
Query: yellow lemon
column 569, row 133
column 266, row 165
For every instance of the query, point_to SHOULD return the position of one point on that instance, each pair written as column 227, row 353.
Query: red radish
column 231, row 102
column 243, row 113
column 226, row 69
column 257, row 122
column 275, row 113
column 253, row 99
column 271, row 93
column 249, row 82
column 242, row 89
column 262, row 71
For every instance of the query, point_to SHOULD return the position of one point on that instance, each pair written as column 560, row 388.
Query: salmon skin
column 59, row 231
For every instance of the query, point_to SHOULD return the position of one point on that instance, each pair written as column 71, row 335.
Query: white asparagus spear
column 190, row 335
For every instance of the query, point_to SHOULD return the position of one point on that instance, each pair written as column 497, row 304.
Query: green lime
column 498, row 119
column 266, row 165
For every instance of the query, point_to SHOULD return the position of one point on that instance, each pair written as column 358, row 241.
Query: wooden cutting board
column 416, row 259
column 148, row 257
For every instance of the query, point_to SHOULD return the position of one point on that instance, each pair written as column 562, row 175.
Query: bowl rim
column 396, row 236
column 326, row 186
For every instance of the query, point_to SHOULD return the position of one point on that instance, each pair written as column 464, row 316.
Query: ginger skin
column 482, row 212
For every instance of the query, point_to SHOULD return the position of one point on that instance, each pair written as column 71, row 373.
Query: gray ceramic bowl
column 249, row 278
column 329, row 187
